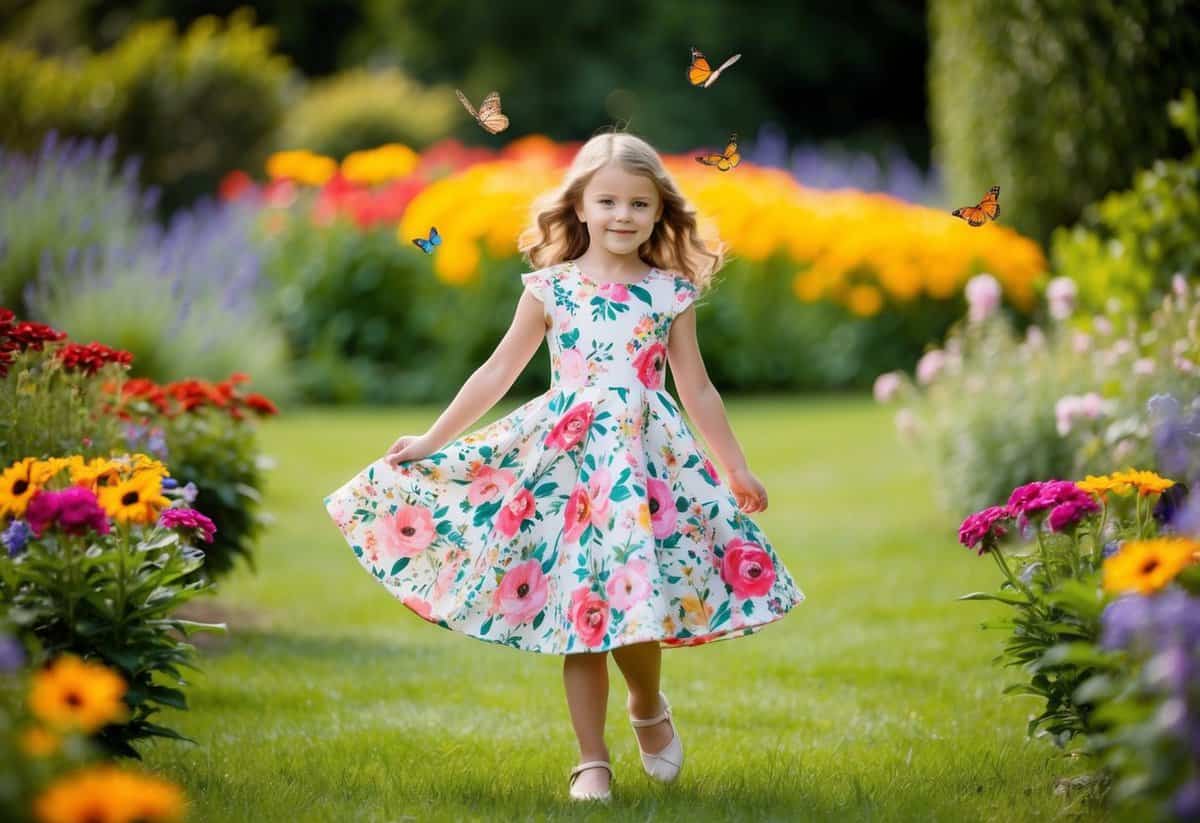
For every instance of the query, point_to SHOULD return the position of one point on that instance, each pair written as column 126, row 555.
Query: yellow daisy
column 1145, row 566
column 1149, row 483
column 1099, row 486
column 73, row 693
column 138, row 499
column 38, row 741
column 104, row 792
column 22, row 480
column 95, row 473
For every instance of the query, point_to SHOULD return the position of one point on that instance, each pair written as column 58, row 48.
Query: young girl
column 588, row 520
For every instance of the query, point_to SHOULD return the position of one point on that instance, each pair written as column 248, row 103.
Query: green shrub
column 358, row 110
column 1131, row 243
column 1057, row 102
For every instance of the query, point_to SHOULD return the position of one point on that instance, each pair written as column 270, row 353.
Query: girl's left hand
column 749, row 492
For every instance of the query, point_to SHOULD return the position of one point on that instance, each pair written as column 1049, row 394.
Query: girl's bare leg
column 585, row 677
column 641, row 664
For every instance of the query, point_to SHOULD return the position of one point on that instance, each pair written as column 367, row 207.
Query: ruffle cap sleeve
column 538, row 282
column 685, row 293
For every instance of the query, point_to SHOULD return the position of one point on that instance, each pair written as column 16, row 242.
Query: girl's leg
column 585, row 677
column 641, row 664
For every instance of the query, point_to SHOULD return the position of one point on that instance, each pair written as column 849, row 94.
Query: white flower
column 886, row 386
column 1102, row 325
column 1065, row 411
column 930, row 366
column 1034, row 337
column 983, row 296
column 1060, row 297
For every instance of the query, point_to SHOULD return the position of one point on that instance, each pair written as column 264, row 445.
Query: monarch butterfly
column 726, row 160
column 988, row 209
column 489, row 115
column 701, row 74
column 426, row 246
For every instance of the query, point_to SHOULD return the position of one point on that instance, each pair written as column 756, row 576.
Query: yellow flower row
column 1122, row 482
column 368, row 167
column 129, row 489
column 1145, row 566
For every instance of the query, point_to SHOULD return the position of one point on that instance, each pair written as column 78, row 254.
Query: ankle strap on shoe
column 590, row 765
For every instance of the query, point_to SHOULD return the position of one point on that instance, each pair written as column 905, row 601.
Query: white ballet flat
column 663, row 765
column 582, row 795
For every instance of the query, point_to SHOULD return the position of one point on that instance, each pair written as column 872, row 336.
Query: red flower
column 260, row 404
column 34, row 335
column 234, row 185
column 92, row 357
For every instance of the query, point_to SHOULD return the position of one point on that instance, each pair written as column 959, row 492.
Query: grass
column 875, row 699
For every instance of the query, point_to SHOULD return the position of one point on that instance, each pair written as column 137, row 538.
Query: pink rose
column 572, row 368
column 662, row 507
column 519, row 508
column 577, row 514
column 406, row 533
column 521, row 593
column 570, row 430
column 599, row 485
column 589, row 616
column 628, row 585
column 650, row 364
column 489, row 484
column 747, row 568
column 616, row 292
column 711, row 470
column 421, row 607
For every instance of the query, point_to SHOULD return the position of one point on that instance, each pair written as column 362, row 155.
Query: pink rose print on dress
column 489, row 484
column 616, row 292
column 589, row 616
column 747, row 568
column 572, row 369
column 710, row 470
column 599, row 485
column 628, row 585
column 406, row 533
column 520, row 508
column 521, row 593
column 419, row 606
column 650, row 364
column 662, row 507
column 570, row 430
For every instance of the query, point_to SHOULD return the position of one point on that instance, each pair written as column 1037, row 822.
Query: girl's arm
column 705, row 407
column 488, row 384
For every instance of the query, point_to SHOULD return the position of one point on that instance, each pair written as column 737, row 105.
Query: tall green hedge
column 1056, row 101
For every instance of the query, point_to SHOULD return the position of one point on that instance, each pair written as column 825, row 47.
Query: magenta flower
column 983, row 528
column 75, row 510
column 1065, row 501
column 1071, row 510
column 187, row 519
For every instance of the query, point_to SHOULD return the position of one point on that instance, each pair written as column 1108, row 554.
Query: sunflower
column 138, row 499
column 72, row 693
column 104, row 792
column 22, row 480
column 95, row 474
column 1145, row 566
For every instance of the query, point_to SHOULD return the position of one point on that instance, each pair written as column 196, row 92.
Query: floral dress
column 588, row 518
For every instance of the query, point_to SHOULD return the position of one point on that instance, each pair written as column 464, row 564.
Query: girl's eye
column 605, row 200
column 640, row 204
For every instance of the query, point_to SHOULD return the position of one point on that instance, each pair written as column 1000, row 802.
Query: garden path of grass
column 875, row 699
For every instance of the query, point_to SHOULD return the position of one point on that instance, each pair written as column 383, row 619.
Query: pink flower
column 1060, row 297
column 983, row 297
column 662, row 507
column 570, row 430
column 981, row 528
column 518, row 509
column 489, row 484
column 886, row 386
column 522, row 592
column 572, row 368
column 599, row 485
column 406, row 533
column 421, row 607
column 1035, row 498
column 628, row 585
column 589, row 616
column 188, row 519
column 616, row 292
column 711, row 470
column 650, row 364
column 747, row 568
column 1071, row 511
column 1143, row 366
column 930, row 366
column 577, row 514
column 75, row 510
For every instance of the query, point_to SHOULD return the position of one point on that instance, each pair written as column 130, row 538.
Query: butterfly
column 489, row 115
column 988, row 209
column 726, row 160
column 426, row 246
column 701, row 74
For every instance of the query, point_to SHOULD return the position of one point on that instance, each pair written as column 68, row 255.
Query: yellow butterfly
column 489, row 115
column 726, row 160
column 700, row 73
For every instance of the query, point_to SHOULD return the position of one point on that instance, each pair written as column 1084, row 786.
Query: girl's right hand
column 407, row 448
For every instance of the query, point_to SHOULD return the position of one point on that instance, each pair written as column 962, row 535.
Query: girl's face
column 620, row 209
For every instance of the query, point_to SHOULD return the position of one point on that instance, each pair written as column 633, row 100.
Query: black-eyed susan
column 95, row 473
column 38, row 741
column 107, row 793
column 73, row 693
column 22, row 480
column 138, row 499
column 1145, row 566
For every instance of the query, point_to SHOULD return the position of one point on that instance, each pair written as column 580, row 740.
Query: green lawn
column 875, row 699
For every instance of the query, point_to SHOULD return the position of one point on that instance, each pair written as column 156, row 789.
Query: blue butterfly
column 426, row 246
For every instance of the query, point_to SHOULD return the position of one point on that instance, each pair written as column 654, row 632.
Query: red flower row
column 26, row 336
column 185, row 396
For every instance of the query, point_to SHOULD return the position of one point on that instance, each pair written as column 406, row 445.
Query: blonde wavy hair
column 556, row 235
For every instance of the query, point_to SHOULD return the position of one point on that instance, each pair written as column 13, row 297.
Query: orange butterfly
column 489, row 115
column 988, row 209
column 701, row 74
column 726, row 160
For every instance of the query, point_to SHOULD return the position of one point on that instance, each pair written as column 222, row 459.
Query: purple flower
column 15, row 537
column 1186, row 803
column 12, row 653
column 189, row 493
column 188, row 519
column 1123, row 620
column 1111, row 548
column 979, row 527
column 169, row 483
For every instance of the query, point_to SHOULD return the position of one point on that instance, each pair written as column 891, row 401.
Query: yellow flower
column 1148, row 482
column 865, row 301
column 95, row 474
column 38, row 741
column 301, row 165
column 106, row 793
column 696, row 614
column 644, row 517
column 22, row 480
column 72, row 693
column 379, row 165
column 138, row 499
column 1145, row 566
